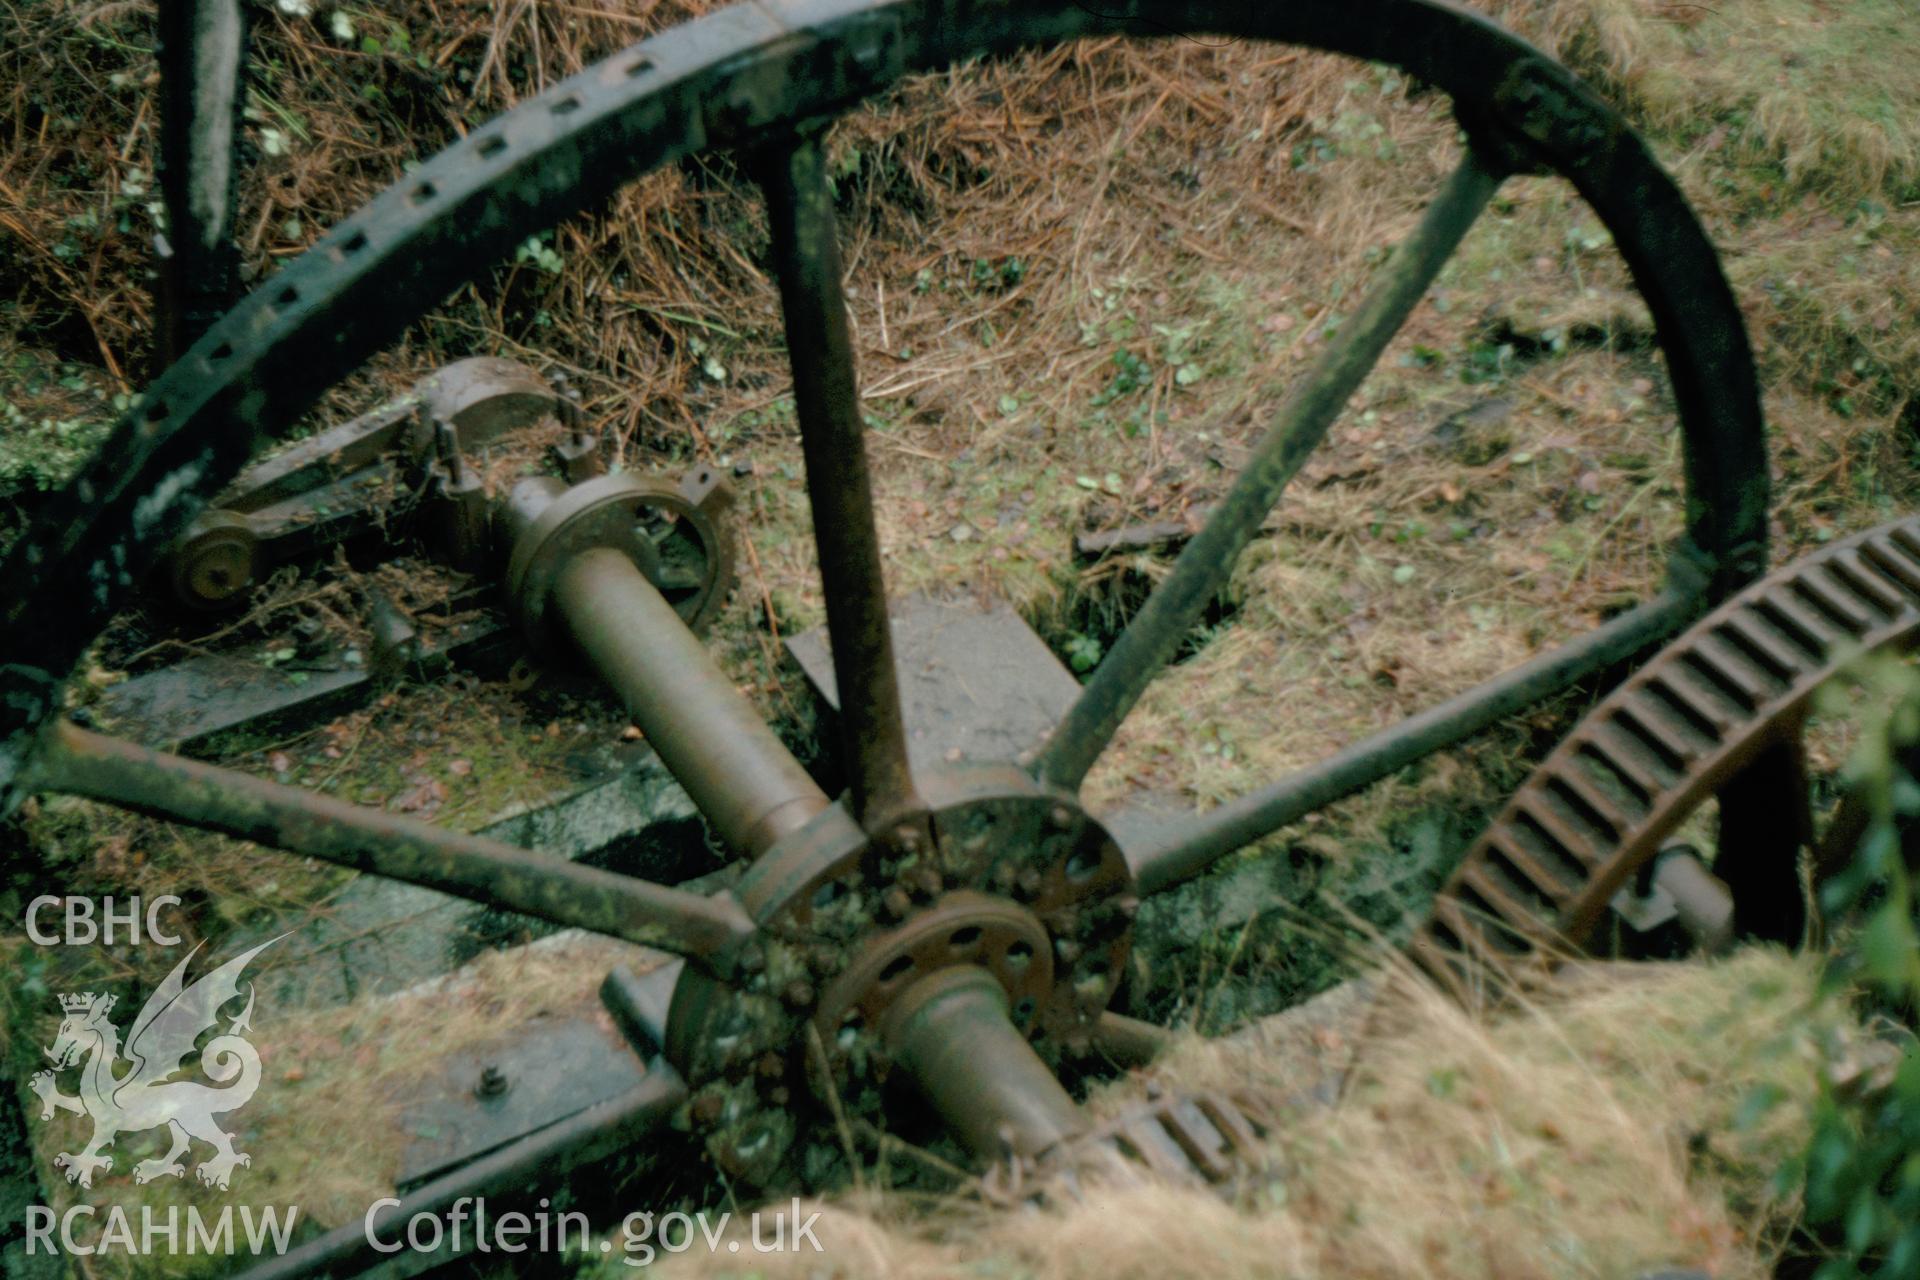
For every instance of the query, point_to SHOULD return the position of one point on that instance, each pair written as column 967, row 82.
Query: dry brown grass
column 1012, row 232
column 1183, row 208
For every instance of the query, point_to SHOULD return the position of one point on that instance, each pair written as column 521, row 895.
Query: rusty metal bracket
column 355, row 478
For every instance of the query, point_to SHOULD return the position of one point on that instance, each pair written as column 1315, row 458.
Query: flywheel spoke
column 1204, row 566
column 77, row 762
column 826, row 395
column 1193, row 846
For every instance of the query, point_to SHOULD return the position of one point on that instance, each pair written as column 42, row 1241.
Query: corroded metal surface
column 76, row 762
column 976, row 683
column 1205, row 1139
column 838, row 909
column 742, row 76
column 361, row 477
column 833, row 904
column 1536, row 885
column 826, row 395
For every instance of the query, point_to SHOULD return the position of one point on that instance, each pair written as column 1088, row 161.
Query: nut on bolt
column 493, row 1082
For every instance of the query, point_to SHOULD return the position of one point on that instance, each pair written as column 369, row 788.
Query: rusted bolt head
column 925, row 880
column 907, row 839
column 798, row 993
column 896, row 903
column 493, row 1082
column 1028, row 881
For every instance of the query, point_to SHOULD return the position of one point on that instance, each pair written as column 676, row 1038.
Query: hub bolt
column 493, row 1082
column 896, row 903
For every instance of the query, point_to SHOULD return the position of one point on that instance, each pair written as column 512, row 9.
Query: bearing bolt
column 493, row 1082
column 896, row 903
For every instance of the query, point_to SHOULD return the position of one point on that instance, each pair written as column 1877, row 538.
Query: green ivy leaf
column 1888, row 945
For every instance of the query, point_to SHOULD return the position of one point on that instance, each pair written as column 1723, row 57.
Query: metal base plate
column 556, row 1065
column 975, row 684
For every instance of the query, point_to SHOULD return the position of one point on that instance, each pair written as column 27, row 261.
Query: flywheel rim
column 745, row 77
column 360, row 284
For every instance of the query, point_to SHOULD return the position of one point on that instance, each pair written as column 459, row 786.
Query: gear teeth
column 1817, row 590
column 1905, row 539
column 1528, row 925
column 1541, row 877
column 1715, row 659
column 1568, row 844
column 1851, row 571
column 1529, row 874
column 1892, row 567
column 1201, row 1139
column 1746, row 631
column 1808, row 629
column 1615, row 742
column 1580, row 788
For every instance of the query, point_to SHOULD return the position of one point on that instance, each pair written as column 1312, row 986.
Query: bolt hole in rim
column 781, row 62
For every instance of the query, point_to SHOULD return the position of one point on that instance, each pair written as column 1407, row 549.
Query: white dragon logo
column 143, row 1098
